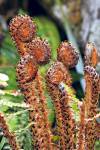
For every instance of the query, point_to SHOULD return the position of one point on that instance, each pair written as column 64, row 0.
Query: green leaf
column 2, row 143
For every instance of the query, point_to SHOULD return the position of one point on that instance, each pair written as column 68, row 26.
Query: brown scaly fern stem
column 95, row 119
column 26, row 75
column 10, row 136
column 97, row 134
column 92, row 91
column 26, row 72
column 81, row 132
column 56, row 74
column 43, row 104
column 89, row 129
column 68, row 117
column 91, row 101
column 65, row 123
column 34, row 51
column 91, row 97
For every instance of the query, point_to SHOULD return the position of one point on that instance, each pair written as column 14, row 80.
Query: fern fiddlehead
column 91, row 101
column 56, row 74
column 33, row 51
column 22, row 31
column 36, row 52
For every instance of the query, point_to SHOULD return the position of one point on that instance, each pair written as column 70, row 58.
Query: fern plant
column 35, row 53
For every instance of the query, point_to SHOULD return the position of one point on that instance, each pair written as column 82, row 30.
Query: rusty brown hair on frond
column 22, row 27
column 22, row 30
column 91, row 55
column 34, row 52
column 97, row 125
column 26, row 69
column 91, row 101
column 10, row 136
column 67, row 54
column 28, row 77
column 43, row 104
column 52, row 82
column 40, row 50
column 81, row 128
column 56, row 74
column 92, row 90
column 67, row 117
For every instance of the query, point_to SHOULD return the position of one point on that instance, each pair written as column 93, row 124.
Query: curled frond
column 22, row 28
column 27, row 78
column 91, row 55
column 54, row 93
column 35, row 51
column 40, row 50
column 91, row 101
column 67, row 54
column 57, row 73
column 26, row 69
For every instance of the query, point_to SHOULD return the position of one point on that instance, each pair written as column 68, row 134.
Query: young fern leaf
column 56, row 74
column 36, row 52
column 22, row 30
column 43, row 104
column 91, row 101
column 26, row 74
column 68, row 117
column 40, row 50
column 91, row 55
column 67, row 54
column 81, row 129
